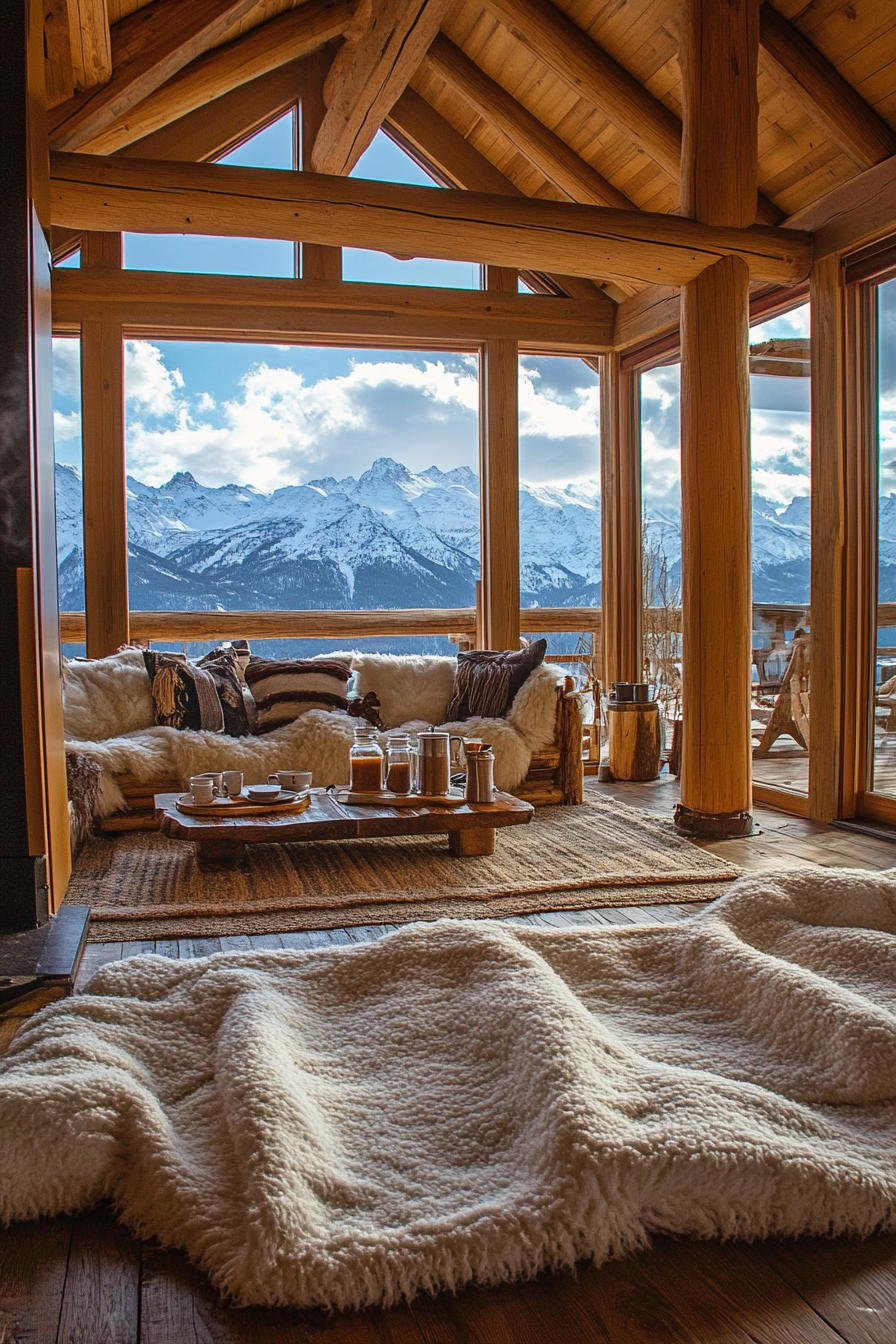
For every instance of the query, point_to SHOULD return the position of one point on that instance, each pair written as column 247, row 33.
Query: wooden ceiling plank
column 285, row 38
column 597, row 78
column 828, row 99
column 592, row 73
column 369, row 73
column 857, row 212
column 147, row 49
column 112, row 194
column 552, row 155
column 91, row 45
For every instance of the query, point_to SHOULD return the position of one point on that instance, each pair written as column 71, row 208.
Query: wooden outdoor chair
column 790, row 714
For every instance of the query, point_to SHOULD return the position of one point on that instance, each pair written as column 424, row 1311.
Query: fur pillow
column 487, row 682
column 283, row 690
column 409, row 687
column 106, row 697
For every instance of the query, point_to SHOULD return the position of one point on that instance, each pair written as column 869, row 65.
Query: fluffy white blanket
column 472, row 1101
column 318, row 740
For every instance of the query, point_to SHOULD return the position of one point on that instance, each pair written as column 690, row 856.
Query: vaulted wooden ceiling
column 578, row 100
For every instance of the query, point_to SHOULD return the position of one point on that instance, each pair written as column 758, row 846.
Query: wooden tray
column 240, row 807
column 348, row 799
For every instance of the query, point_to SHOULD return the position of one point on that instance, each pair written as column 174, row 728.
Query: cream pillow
column 409, row 686
column 105, row 697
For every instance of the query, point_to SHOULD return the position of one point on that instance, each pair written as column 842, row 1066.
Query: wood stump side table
column 633, row 730
column 221, row 842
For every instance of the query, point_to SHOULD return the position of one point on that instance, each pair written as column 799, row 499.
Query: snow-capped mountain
column 392, row 538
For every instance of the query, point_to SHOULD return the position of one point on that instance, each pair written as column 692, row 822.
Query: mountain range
column 393, row 538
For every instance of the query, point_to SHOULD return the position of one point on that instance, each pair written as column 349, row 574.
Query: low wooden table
column 221, row 842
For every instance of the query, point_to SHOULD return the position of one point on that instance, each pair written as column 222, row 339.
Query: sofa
column 110, row 720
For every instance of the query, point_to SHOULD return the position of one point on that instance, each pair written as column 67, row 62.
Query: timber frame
column 659, row 175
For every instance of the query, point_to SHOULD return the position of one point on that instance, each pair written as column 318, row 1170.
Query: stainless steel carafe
column 480, row 787
column 434, row 762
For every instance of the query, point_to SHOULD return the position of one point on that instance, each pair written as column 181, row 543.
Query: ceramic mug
column 232, row 781
column 296, row 780
column 202, row 789
column 214, row 775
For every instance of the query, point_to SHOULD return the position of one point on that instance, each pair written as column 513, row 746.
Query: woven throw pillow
column 486, row 682
column 284, row 690
column 185, row 696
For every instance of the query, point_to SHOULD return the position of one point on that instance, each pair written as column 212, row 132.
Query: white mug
column 214, row 775
column 202, row 789
column 296, row 780
column 233, row 782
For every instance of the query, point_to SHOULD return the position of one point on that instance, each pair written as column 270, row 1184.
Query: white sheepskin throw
column 473, row 1101
column 105, row 697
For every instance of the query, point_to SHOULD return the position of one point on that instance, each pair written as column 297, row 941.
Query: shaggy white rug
column 469, row 1101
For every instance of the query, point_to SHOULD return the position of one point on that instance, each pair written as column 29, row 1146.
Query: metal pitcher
column 434, row 762
column 480, row 787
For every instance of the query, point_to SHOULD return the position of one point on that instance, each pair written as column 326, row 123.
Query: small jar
column 398, row 763
column 366, row 762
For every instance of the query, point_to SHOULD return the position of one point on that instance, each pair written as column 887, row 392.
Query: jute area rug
column 603, row 853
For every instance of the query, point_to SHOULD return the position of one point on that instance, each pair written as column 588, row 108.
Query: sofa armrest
column 570, row 724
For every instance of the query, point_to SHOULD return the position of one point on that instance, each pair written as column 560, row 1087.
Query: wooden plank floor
column 84, row 1280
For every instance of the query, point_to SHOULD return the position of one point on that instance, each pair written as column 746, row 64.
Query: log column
column 620, row 523
column 499, row 477
column 103, row 468
column 719, row 53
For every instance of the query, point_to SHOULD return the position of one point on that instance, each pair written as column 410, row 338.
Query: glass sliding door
column 882, row 726
column 780, row 443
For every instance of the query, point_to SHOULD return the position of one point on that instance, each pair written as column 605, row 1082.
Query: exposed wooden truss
column 94, row 192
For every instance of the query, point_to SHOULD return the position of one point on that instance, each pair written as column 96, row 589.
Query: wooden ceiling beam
column 551, row 155
column 440, row 150
column 281, row 40
column 148, row 47
column 148, row 300
column 225, row 122
column 58, row 71
column 112, row 194
column 822, row 92
column 91, row 44
column 592, row 74
column 370, row 72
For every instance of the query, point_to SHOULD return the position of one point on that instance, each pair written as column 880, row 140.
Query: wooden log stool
column 634, row 739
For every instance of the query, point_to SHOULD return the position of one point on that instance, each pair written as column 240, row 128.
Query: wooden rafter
column 93, row 192
column 59, row 75
column 281, row 40
column 596, row 77
column 148, row 47
column 372, row 70
column 91, row 45
column 822, row 92
column 551, row 155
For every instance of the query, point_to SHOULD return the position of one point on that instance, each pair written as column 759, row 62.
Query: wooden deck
column 84, row 1280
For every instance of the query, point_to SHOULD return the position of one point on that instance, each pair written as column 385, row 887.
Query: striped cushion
column 284, row 690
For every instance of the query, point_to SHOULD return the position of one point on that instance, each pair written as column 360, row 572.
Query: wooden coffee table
column 221, row 842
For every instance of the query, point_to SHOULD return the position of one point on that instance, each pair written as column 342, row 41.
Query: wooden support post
column 620, row 521
column 719, row 54
column 103, row 469
column 317, row 262
column 499, row 476
column 830, row 472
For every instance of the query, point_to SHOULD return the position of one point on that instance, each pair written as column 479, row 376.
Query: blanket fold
column 473, row 1101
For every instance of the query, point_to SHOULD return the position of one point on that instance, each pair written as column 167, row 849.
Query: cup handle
column 273, row 779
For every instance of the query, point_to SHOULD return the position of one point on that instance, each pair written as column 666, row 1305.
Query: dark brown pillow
column 209, row 698
column 286, row 688
column 486, row 682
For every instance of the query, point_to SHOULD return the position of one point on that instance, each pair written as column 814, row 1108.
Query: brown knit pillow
column 486, row 682
column 209, row 698
column 285, row 690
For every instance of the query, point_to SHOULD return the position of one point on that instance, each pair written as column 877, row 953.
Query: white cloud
column 67, row 367
column 149, row 385
column 67, row 426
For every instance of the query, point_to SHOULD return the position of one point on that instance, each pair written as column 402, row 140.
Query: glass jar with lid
column 398, row 763
column 366, row 761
